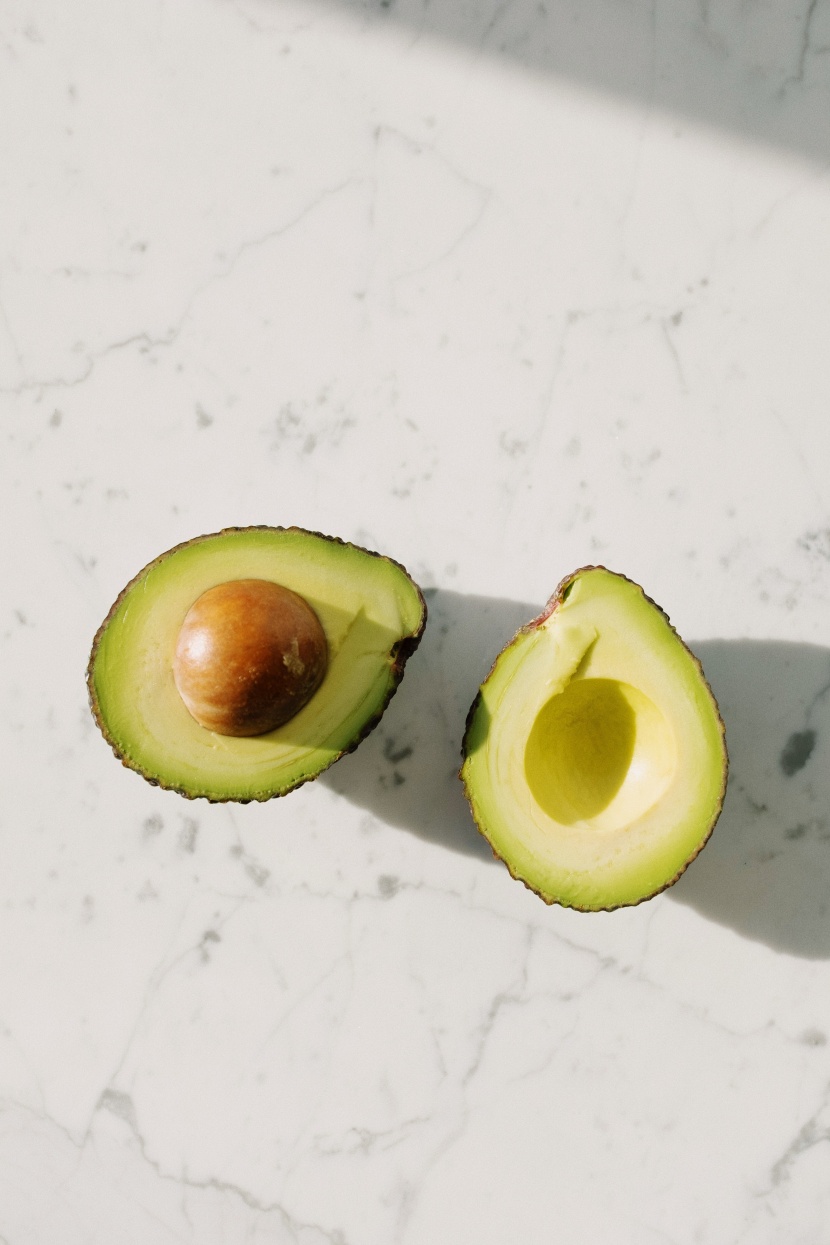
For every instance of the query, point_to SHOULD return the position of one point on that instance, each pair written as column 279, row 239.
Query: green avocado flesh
column 372, row 614
column 594, row 758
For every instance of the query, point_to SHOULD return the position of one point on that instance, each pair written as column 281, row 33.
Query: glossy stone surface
column 500, row 291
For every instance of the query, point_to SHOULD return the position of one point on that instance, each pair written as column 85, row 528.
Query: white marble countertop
column 498, row 290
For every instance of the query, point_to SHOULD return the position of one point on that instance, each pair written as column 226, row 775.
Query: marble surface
column 498, row 290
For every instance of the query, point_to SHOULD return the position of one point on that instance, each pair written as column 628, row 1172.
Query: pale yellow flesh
column 366, row 605
column 596, row 759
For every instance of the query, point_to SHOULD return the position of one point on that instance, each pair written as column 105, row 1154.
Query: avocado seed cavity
column 249, row 655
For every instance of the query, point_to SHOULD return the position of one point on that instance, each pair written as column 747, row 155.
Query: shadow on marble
column 766, row 870
column 756, row 70
column 406, row 771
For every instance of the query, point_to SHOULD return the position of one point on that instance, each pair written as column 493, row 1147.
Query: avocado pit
column 250, row 653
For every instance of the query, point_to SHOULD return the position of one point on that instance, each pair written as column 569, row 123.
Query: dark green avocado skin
column 401, row 654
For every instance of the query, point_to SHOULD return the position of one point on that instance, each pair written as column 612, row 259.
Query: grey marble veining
column 499, row 291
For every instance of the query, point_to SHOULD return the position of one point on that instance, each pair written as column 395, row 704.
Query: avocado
column 594, row 755
column 241, row 664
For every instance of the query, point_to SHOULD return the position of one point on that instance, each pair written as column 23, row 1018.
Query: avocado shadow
column 766, row 870
column 406, row 772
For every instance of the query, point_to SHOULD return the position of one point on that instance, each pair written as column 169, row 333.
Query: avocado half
column 372, row 614
column 595, row 758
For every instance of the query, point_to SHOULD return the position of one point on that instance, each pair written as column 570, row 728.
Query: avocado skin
column 402, row 651
column 554, row 602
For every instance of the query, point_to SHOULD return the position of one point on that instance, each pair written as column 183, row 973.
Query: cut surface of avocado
column 372, row 614
column 594, row 757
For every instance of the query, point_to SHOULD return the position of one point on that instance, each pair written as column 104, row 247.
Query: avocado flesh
column 372, row 614
column 595, row 761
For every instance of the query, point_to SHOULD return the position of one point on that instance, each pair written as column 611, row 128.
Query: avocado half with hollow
column 594, row 756
column 241, row 664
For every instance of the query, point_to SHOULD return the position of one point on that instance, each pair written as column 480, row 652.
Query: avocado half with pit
column 241, row 664
column 594, row 756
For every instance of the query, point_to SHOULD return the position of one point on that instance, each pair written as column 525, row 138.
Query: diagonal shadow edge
column 757, row 72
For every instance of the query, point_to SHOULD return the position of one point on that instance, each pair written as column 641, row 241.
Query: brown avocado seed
column 249, row 655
